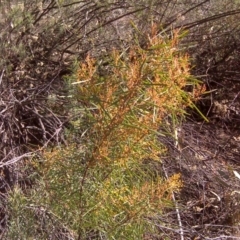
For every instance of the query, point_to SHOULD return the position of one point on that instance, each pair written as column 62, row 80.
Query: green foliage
column 103, row 186
column 30, row 219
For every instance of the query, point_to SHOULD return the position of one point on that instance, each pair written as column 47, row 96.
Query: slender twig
column 15, row 159
column 173, row 195
column 1, row 76
column 222, row 237
column 177, row 210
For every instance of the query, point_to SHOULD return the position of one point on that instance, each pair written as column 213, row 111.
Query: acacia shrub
column 102, row 186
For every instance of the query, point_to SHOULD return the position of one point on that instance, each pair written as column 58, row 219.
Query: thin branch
column 209, row 19
column 16, row 159
column 173, row 195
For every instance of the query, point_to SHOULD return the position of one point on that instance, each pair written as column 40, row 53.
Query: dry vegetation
column 103, row 129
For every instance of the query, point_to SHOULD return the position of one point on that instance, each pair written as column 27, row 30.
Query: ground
column 208, row 157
